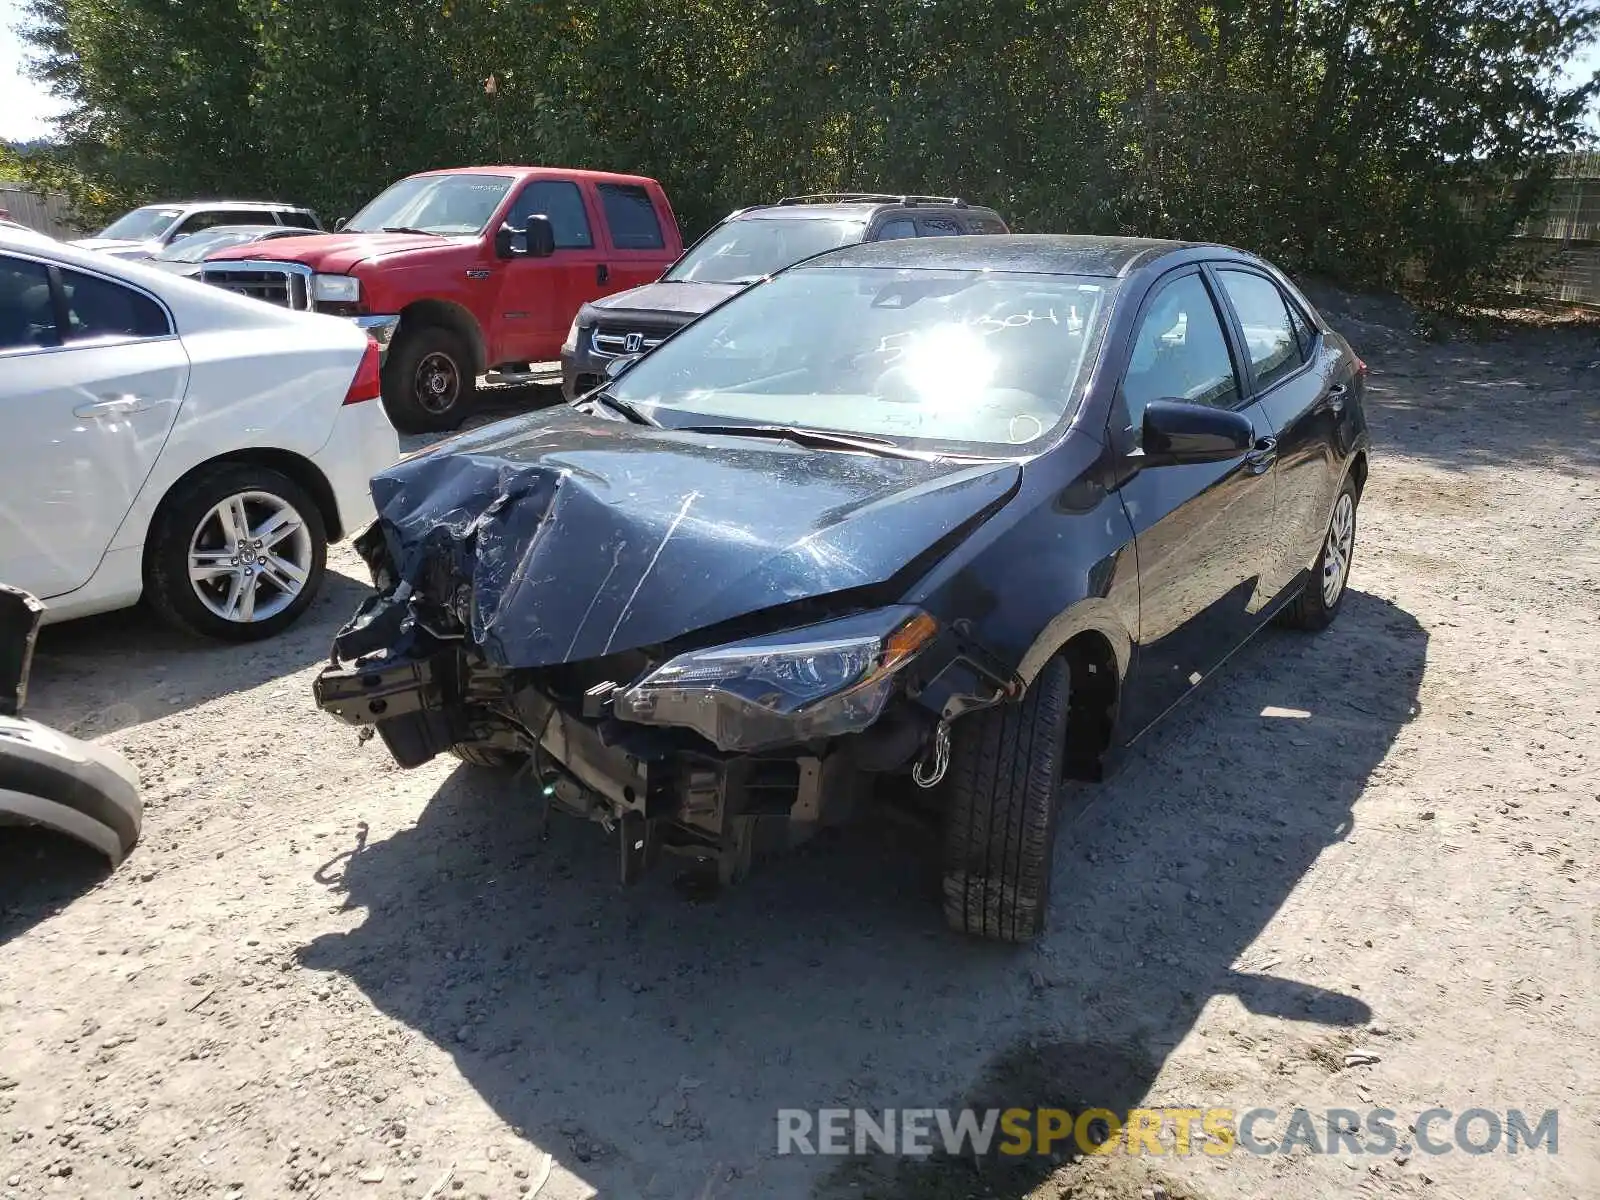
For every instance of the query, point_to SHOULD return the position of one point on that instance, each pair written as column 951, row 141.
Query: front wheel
column 237, row 553
column 1002, row 807
column 489, row 758
column 1320, row 600
column 429, row 384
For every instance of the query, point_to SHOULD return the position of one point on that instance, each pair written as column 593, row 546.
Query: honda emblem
column 633, row 343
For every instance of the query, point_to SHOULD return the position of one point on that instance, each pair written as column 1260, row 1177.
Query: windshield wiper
column 602, row 397
column 411, row 229
column 816, row 439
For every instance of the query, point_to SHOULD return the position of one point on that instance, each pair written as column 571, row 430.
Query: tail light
column 368, row 383
column 1361, row 365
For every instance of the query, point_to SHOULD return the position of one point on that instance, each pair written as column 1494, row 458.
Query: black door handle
column 601, row 273
column 1263, row 455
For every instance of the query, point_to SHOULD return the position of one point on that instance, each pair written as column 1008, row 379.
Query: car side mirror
column 339, row 225
column 1177, row 432
column 619, row 366
column 540, row 237
column 536, row 241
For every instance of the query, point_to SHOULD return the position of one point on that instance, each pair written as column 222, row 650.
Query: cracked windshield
column 939, row 356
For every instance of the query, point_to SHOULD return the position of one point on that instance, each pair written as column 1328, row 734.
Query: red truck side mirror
column 538, row 240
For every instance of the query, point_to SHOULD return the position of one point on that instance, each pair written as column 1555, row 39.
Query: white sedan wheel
column 250, row 557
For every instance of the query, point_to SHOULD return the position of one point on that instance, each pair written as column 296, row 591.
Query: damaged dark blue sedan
column 951, row 519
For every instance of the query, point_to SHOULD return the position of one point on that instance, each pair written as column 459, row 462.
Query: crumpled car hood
column 581, row 537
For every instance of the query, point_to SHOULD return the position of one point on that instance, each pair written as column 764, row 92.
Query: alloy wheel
column 1336, row 553
column 438, row 382
column 250, row 557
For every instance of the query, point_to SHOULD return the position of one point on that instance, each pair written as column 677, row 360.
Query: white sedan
column 165, row 439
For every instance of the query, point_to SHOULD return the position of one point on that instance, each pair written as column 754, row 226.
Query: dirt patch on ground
column 322, row 976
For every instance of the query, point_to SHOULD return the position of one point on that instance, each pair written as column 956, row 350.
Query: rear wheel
column 1320, row 600
column 1002, row 808
column 429, row 382
column 236, row 553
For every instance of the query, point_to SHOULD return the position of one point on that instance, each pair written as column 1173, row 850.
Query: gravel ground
column 322, row 976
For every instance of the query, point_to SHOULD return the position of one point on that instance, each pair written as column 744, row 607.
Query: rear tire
column 190, row 539
column 1002, row 808
column 1322, row 597
column 429, row 381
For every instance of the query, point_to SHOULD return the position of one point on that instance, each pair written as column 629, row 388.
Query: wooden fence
column 1567, row 236
column 45, row 211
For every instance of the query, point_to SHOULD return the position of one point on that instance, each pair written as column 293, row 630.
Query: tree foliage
column 1383, row 141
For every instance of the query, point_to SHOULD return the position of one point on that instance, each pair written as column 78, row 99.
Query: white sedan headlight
column 335, row 289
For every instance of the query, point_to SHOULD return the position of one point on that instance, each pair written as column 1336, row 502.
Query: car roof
column 1035, row 253
column 860, row 208
column 527, row 172
column 263, row 205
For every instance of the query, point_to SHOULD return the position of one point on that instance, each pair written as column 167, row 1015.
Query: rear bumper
column 363, row 443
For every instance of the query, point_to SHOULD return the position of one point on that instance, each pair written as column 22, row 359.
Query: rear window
column 985, row 225
column 631, row 216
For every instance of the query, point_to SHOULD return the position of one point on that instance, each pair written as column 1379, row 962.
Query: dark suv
column 746, row 246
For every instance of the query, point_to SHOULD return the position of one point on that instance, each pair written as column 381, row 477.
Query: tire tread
column 1005, row 774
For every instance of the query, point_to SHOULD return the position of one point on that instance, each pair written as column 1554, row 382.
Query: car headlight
column 335, row 289
column 571, row 343
column 818, row 681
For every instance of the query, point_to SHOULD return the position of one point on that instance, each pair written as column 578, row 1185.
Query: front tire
column 1002, row 809
column 236, row 553
column 429, row 382
column 1323, row 595
column 489, row 758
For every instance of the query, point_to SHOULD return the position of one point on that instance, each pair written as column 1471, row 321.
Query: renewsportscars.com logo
column 1157, row 1131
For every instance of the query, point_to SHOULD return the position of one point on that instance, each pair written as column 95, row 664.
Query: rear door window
column 98, row 308
column 27, row 311
column 985, row 225
column 560, row 201
column 900, row 227
column 300, row 218
column 631, row 216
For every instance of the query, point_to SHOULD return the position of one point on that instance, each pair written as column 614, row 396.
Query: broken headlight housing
column 815, row 682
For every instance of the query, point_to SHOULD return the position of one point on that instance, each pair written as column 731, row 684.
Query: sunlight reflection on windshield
column 945, row 364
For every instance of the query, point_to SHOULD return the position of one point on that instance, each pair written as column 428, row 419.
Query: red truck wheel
column 428, row 380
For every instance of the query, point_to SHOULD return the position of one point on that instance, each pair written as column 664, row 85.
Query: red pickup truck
column 461, row 271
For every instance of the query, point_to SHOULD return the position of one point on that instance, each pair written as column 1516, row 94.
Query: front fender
column 1057, row 563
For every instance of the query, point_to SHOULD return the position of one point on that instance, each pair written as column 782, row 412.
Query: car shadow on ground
column 647, row 1040
column 97, row 675
column 41, row 872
